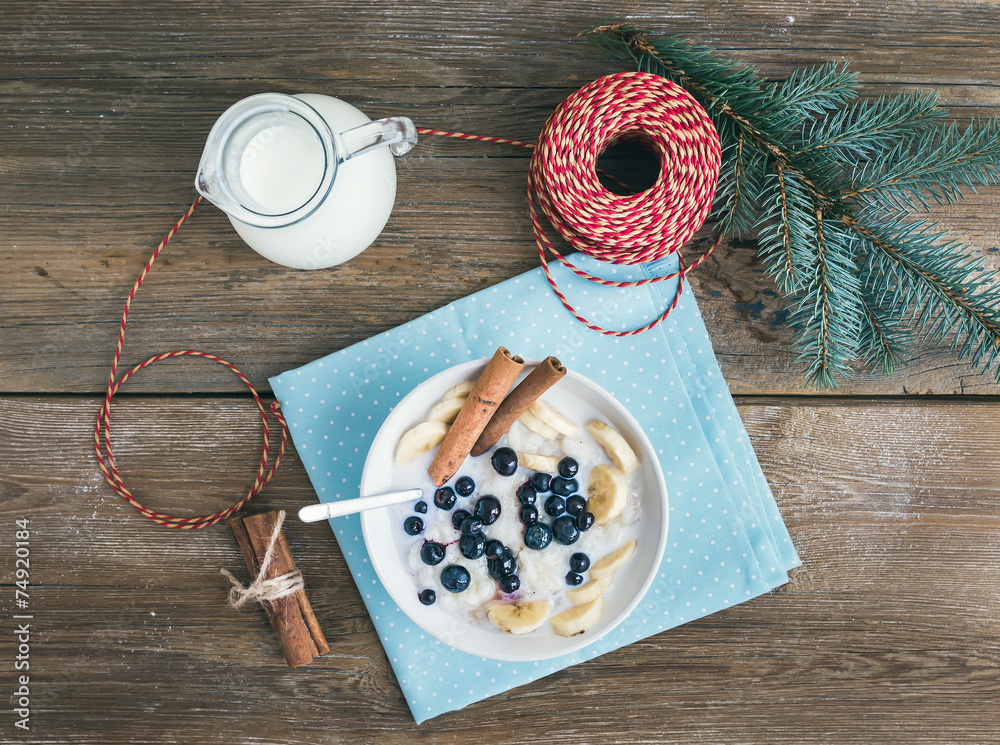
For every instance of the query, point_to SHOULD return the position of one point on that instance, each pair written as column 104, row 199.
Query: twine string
column 262, row 589
column 102, row 429
column 564, row 189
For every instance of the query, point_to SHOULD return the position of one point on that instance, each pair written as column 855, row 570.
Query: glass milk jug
column 287, row 171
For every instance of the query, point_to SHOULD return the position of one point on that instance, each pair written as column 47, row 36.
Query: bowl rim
column 583, row 640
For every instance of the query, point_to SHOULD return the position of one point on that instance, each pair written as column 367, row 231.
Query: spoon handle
column 315, row 512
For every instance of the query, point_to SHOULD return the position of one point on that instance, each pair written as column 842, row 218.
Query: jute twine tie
column 261, row 589
column 563, row 186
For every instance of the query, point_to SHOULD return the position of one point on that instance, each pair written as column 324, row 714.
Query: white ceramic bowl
column 386, row 542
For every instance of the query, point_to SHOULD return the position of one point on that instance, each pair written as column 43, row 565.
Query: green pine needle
column 936, row 284
column 935, row 165
column 829, row 183
column 827, row 313
column 883, row 338
column 863, row 128
column 813, row 91
column 786, row 230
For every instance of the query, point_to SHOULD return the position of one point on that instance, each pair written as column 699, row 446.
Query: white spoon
column 315, row 512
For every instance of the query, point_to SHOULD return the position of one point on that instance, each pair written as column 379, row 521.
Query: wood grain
column 107, row 108
column 888, row 631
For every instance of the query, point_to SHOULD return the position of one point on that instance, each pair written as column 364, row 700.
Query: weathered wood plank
column 106, row 109
column 887, row 631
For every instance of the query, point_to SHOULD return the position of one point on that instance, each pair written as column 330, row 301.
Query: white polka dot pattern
column 727, row 542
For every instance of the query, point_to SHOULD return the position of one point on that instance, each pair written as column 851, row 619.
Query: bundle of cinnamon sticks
column 489, row 410
column 291, row 616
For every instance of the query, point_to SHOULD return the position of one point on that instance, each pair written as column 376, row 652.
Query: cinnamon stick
column 545, row 375
column 292, row 616
column 489, row 390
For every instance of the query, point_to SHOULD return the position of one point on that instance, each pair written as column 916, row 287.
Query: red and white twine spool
column 631, row 229
column 563, row 183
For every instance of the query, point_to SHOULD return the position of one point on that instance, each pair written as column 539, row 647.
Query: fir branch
column 827, row 313
column 813, row 91
column 883, row 338
column 932, row 281
column 719, row 82
column 736, row 204
column 935, row 165
column 786, row 230
column 865, row 127
column 811, row 171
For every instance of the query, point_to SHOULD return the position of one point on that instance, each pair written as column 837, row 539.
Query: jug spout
column 269, row 161
column 209, row 186
column 210, row 182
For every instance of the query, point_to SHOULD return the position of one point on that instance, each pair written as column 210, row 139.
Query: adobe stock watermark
column 33, row 691
column 22, row 620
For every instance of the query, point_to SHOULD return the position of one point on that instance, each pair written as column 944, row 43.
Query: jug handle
column 398, row 132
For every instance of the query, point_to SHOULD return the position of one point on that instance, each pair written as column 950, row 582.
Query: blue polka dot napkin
column 727, row 542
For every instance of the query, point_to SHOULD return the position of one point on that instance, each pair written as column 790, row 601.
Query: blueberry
column 502, row 565
column 420, row 507
column 487, row 509
column 510, row 583
column 579, row 562
column 563, row 487
column 472, row 546
column 526, row 494
column 445, row 498
column 427, row 597
column 494, row 549
column 568, row 467
column 432, row 553
column 555, row 506
column 537, row 536
column 528, row 515
column 572, row 578
column 504, row 461
column 471, row 526
column 541, row 482
column 413, row 525
column 585, row 521
column 576, row 504
column 565, row 531
column 458, row 517
column 465, row 486
column 455, row 578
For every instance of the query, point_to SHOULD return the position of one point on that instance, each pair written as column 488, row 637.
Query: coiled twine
column 631, row 229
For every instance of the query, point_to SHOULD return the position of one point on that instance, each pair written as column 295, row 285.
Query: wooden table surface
column 890, row 488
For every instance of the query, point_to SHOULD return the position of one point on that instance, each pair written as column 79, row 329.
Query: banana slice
column 590, row 591
column 608, row 565
column 537, row 462
column 551, row 416
column 519, row 617
column 579, row 618
column 607, row 493
column 458, row 391
column 614, row 445
column 536, row 425
column 419, row 440
column 447, row 409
